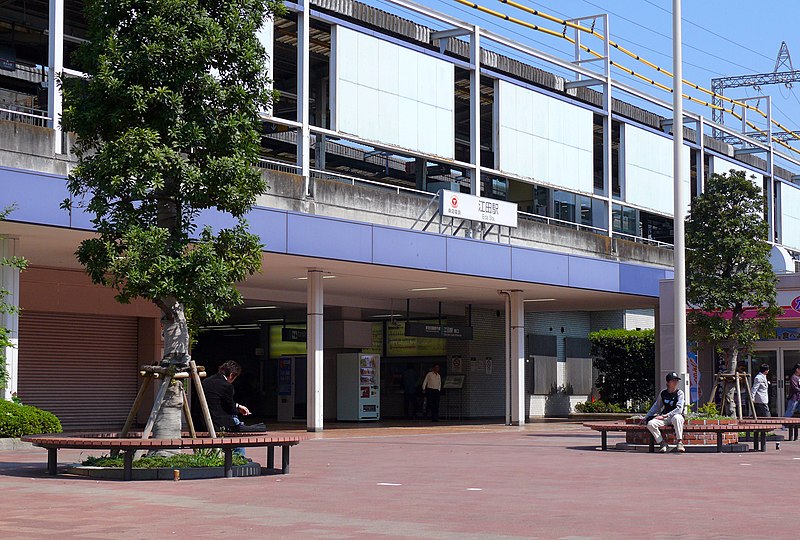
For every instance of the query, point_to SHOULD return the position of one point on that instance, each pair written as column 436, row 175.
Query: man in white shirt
column 760, row 392
column 432, row 386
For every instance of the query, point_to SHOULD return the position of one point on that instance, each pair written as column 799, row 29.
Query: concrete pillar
column 475, row 110
column 9, row 284
column 303, row 117
column 515, row 357
column 55, row 47
column 517, row 342
column 315, row 351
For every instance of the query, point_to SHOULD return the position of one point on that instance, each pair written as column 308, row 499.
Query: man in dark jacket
column 219, row 394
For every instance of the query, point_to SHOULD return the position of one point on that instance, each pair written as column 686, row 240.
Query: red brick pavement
column 545, row 481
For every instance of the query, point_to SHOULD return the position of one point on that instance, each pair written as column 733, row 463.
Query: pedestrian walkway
column 542, row 480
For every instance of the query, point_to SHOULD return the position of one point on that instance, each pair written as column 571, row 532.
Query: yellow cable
column 646, row 62
column 622, row 67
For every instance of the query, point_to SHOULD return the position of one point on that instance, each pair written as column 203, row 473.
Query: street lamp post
column 679, row 204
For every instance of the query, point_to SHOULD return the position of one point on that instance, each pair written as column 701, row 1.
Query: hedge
column 626, row 362
column 18, row 420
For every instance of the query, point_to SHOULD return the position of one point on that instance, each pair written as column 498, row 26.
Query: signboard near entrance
column 434, row 330
column 483, row 209
column 294, row 334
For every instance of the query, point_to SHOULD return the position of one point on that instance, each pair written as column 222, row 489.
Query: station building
column 438, row 195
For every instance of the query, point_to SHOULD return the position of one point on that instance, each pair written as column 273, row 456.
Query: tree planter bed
column 129, row 444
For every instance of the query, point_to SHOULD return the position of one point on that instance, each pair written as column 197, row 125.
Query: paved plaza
column 546, row 480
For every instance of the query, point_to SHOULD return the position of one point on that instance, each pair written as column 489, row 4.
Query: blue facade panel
column 593, row 274
column 641, row 280
column 316, row 236
column 37, row 197
column 410, row 249
column 478, row 258
column 539, row 266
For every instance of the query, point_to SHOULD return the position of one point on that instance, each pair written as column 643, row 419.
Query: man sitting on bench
column 223, row 408
column 667, row 411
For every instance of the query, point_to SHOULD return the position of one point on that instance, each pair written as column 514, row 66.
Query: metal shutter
column 82, row 368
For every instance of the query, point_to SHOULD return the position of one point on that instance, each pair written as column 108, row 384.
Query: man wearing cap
column 667, row 411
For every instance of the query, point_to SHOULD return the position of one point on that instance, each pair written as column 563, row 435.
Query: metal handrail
column 643, row 240
column 383, row 185
column 562, row 222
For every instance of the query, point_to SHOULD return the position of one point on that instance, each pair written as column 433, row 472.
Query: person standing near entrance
column 794, row 391
column 667, row 411
column 410, row 392
column 760, row 392
column 432, row 386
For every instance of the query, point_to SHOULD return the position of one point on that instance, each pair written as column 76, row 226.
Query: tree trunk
column 176, row 352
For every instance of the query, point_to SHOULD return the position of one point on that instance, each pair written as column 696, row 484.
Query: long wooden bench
column 759, row 441
column 791, row 424
column 133, row 442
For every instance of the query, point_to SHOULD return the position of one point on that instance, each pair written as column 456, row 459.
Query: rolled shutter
column 82, row 368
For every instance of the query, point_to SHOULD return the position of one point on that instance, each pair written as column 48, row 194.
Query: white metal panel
column 720, row 165
column 544, row 138
column 648, row 169
column 393, row 95
column 790, row 215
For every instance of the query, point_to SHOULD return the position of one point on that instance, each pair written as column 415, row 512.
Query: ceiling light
column 421, row 289
column 261, row 307
column 540, row 300
column 326, row 276
column 269, row 320
column 388, row 315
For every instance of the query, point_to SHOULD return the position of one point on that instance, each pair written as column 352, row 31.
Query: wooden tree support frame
column 738, row 381
column 166, row 375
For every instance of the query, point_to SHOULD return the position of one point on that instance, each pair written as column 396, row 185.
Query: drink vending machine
column 358, row 386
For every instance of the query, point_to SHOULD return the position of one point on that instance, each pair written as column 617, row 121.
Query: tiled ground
column 544, row 480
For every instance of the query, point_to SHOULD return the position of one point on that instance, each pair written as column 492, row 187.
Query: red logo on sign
column 454, row 202
column 796, row 304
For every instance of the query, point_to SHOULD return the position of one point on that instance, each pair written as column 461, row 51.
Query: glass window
column 564, row 205
column 541, row 201
column 624, row 220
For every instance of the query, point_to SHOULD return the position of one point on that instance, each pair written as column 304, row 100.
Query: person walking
column 667, row 411
column 760, row 392
column 432, row 386
column 794, row 391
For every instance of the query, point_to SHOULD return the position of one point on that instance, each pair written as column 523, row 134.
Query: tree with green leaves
column 6, row 342
column 167, row 125
column 730, row 283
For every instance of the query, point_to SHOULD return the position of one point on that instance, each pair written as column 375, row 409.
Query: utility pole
column 679, row 211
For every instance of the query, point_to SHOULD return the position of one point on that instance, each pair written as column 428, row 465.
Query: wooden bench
column 759, row 441
column 792, row 424
column 133, row 442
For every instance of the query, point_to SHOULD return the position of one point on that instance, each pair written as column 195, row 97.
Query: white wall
column 543, row 138
column 648, row 169
column 719, row 166
column 790, row 215
column 387, row 93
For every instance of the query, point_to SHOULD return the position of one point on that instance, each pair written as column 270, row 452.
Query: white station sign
column 483, row 209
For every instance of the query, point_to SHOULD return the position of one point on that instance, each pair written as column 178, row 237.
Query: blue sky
column 721, row 38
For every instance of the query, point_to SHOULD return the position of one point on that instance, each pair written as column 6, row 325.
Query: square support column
column 315, row 351
column 303, row 115
column 9, row 284
column 515, row 357
column 55, row 65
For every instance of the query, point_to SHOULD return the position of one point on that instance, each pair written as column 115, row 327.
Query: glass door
column 770, row 358
column 790, row 358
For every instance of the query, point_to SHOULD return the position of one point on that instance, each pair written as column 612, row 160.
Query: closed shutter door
column 82, row 368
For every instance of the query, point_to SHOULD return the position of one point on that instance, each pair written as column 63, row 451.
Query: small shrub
column 599, row 407
column 708, row 411
column 17, row 420
column 201, row 458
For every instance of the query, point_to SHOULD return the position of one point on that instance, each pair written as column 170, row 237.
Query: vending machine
column 358, row 386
